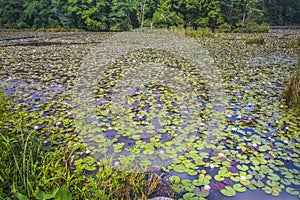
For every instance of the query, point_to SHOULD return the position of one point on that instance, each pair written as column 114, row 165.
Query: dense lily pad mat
column 255, row 145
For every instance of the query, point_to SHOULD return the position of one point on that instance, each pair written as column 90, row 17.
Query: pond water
column 170, row 105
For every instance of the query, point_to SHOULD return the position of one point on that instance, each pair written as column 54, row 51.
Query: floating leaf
column 239, row 188
column 258, row 183
column 228, row 191
column 292, row 191
column 190, row 196
column 174, row 179
column 219, row 177
column 243, row 167
column 274, row 177
column 179, row 168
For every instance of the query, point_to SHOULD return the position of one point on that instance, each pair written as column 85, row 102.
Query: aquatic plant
column 255, row 40
column 256, row 148
column 292, row 92
column 31, row 168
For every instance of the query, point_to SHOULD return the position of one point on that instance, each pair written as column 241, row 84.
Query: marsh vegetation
column 243, row 139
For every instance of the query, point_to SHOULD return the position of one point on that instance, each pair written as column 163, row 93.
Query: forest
column 121, row 15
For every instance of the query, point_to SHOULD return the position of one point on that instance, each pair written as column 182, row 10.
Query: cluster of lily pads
column 245, row 139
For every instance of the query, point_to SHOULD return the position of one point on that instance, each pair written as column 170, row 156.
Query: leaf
column 228, row 191
column 189, row 196
column 285, row 181
column 239, row 188
column 219, row 177
column 63, row 194
column 242, row 167
column 174, row 179
column 20, row 196
column 274, row 177
column 179, row 168
column 258, row 183
column 292, row 191
column 41, row 195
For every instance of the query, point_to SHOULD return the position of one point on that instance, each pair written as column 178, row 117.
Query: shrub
column 224, row 28
column 253, row 27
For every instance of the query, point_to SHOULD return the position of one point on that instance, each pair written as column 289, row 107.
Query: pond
column 204, row 114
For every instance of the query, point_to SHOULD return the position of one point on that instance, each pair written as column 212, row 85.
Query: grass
column 200, row 33
column 292, row 92
column 293, row 43
column 30, row 169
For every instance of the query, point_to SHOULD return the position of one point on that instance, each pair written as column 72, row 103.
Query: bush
column 253, row 27
column 224, row 28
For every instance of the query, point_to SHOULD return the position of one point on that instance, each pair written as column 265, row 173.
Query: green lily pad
column 219, row 177
column 190, row 196
column 174, row 179
column 285, row 181
column 179, row 168
column 228, row 191
column 257, row 183
column 242, row 167
column 239, row 188
column 274, row 177
column 292, row 191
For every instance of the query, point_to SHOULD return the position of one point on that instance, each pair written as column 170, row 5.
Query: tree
column 10, row 12
column 230, row 12
column 166, row 15
column 123, row 15
column 39, row 14
column 282, row 12
column 89, row 14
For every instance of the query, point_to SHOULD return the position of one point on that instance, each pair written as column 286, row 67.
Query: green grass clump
column 206, row 32
column 293, row 43
column 31, row 168
column 292, row 92
column 255, row 40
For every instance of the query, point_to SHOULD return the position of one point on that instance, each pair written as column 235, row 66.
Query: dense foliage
column 115, row 15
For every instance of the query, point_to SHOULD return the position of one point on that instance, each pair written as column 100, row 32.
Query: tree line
column 120, row 15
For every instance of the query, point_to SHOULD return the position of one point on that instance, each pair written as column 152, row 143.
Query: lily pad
column 292, row 191
column 239, row 188
column 228, row 191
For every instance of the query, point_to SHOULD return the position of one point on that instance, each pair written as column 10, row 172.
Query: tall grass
column 255, row 40
column 292, row 92
column 200, row 33
column 293, row 43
